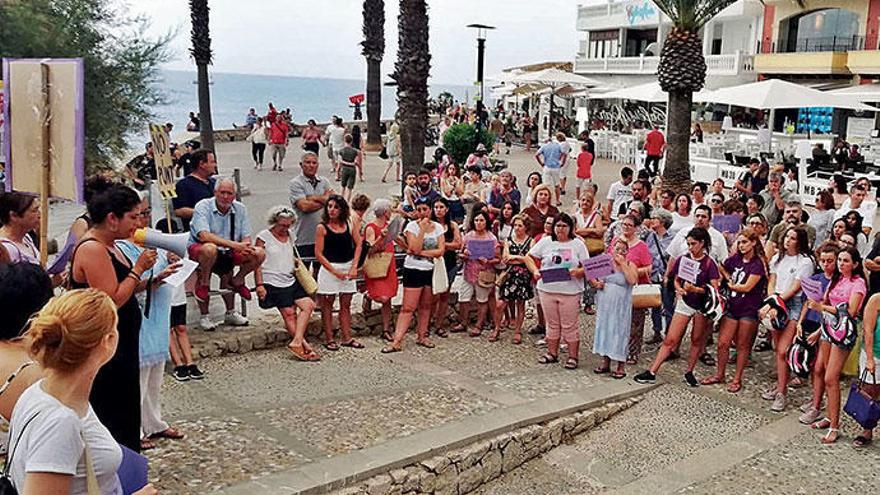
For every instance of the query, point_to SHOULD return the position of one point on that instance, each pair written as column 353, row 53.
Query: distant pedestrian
column 655, row 143
column 349, row 162
column 312, row 139
column 392, row 149
column 335, row 135
column 279, row 139
column 250, row 120
column 548, row 156
column 258, row 138
column 584, row 170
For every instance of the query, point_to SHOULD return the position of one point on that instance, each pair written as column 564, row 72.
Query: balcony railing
column 827, row 44
column 730, row 64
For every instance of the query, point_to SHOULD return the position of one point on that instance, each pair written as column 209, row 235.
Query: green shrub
column 461, row 140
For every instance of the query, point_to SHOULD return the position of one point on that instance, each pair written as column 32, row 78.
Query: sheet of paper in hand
column 812, row 288
column 550, row 275
column 481, row 248
column 688, row 269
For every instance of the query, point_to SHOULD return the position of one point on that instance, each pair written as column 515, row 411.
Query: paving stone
column 538, row 477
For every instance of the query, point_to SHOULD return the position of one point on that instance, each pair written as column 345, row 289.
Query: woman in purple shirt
column 746, row 275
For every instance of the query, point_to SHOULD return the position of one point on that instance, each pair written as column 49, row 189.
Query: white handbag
column 439, row 282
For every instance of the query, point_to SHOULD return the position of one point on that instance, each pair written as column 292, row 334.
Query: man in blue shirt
column 220, row 240
column 549, row 157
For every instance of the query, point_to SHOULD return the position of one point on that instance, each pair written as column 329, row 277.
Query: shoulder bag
column 645, row 296
column 861, row 406
column 595, row 245
column 439, row 280
column 6, row 485
column 303, row 275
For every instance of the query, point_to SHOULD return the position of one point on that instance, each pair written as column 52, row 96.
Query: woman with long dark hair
column 452, row 238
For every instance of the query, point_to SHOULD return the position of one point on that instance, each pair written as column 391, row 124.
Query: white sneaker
column 235, row 319
column 207, row 324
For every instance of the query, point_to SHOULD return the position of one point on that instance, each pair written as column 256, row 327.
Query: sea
column 307, row 97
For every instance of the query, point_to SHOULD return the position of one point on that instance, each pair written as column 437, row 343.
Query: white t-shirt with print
column 53, row 443
column 619, row 194
column 789, row 269
column 554, row 254
column 430, row 241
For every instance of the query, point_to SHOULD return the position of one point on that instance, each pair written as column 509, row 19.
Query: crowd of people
column 747, row 266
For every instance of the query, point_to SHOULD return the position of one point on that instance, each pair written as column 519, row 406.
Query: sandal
column 571, row 364
column 389, row 349
column 169, row 433
column 425, row 343
column 618, row 375
column 494, row 336
column 830, row 437
column 299, row 352
column 821, row 424
column 548, row 359
column 475, row 333
column 601, row 370
column 146, row 444
column 734, row 387
column 711, row 380
column 632, row 362
column 354, row 344
column 862, row 441
column 441, row 333
column 517, row 338
column 707, row 359
column 589, row 310
column 458, row 328
column 331, row 346
column 388, row 336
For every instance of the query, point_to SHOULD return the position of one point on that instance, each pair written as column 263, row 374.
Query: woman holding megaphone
column 98, row 263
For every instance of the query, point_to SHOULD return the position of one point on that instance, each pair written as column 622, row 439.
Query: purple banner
column 730, row 224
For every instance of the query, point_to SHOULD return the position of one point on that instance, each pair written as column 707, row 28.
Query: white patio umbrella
column 554, row 79
column 649, row 92
column 863, row 93
column 774, row 94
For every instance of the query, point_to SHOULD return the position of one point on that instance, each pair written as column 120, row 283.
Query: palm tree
column 681, row 72
column 201, row 53
column 411, row 73
column 373, row 50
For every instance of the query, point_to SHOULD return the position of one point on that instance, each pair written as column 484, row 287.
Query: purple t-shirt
column 745, row 304
column 708, row 272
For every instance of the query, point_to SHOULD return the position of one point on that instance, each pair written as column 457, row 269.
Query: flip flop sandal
column 331, row 346
column 831, row 437
column 494, row 337
column 517, row 339
column 548, row 359
column 601, row 370
column 458, row 328
column 734, row 387
column 387, row 336
column 618, row 375
column 821, row 424
column 146, row 444
column 707, row 359
column 861, row 441
column 711, row 380
column 354, row 344
column 426, row 343
column 313, row 356
column 390, row 349
column 299, row 353
column 571, row 364
column 169, row 433
column 475, row 333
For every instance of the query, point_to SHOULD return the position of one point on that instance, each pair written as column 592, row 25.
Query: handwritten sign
column 164, row 164
column 812, row 288
column 688, row 269
column 550, row 275
column 598, row 267
column 479, row 248
column 729, row 224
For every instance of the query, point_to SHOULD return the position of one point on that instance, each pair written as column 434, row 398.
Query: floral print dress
column 518, row 285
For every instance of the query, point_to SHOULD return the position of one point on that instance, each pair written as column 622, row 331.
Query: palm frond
column 692, row 14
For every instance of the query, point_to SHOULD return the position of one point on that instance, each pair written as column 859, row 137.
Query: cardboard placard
column 23, row 129
column 812, row 289
column 598, row 267
column 164, row 163
column 730, row 224
column 481, row 248
column 551, row 275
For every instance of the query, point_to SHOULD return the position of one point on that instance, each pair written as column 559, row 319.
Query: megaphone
column 152, row 238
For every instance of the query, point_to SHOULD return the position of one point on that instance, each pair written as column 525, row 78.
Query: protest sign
column 688, row 269
column 598, row 267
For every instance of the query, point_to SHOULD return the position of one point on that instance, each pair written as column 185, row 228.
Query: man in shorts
column 565, row 151
column 220, row 240
column 349, row 157
column 335, row 142
column 549, row 157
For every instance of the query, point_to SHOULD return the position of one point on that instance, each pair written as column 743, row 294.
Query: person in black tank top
column 97, row 263
column 452, row 238
column 337, row 248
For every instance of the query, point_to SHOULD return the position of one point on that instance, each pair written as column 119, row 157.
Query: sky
column 321, row 38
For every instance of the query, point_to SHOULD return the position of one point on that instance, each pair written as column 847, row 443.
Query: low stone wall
column 463, row 470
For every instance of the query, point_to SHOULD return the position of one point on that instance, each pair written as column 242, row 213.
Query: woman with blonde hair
column 56, row 433
column 277, row 287
column 392, row 148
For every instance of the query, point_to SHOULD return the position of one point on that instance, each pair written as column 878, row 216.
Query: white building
column 622, row 41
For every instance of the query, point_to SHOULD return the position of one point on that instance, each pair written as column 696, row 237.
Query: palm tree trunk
column 676, row 175
column 207, row 126
column 374, row 105
column 411, row 73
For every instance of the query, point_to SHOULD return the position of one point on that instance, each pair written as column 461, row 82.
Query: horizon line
column 300, row 77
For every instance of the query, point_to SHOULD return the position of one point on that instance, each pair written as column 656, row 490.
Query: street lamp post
column 481, row 52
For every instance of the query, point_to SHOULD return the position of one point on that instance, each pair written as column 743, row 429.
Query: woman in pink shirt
column 847, row 287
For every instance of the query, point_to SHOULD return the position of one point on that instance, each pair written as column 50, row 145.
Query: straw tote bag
column 303, row 275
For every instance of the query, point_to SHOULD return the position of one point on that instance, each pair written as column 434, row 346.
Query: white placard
column 187, row 267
